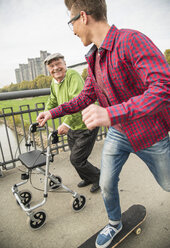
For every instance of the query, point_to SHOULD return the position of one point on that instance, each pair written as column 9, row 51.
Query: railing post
column 1, row 175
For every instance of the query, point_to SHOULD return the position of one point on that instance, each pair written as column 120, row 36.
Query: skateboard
column 132, row 218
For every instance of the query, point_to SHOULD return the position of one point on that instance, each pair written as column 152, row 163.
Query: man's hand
column 62, row 129
column 95, row 116
column 43, row 117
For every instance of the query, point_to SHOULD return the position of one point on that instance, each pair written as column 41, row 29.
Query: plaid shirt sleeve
column 86, row 97
column 150, row 65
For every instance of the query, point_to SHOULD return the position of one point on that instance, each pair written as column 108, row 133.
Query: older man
column 66, row 84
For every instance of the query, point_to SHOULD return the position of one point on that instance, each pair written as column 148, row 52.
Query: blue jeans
column 116, row 151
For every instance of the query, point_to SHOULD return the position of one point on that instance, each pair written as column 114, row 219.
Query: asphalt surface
column 68, row 229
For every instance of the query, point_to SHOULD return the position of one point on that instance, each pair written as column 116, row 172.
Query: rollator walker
column 34, row 160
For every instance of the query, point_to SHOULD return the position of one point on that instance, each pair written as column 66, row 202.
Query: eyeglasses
column 70, row 23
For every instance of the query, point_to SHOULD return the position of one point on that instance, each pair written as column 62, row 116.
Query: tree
column 84, row 74
column 43, row 81
column 12, row 87
column 167, row 55
column 39, row 82
column 4, row 89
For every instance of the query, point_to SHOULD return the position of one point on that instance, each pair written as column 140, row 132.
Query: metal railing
column 20, row 129
column 24, row 93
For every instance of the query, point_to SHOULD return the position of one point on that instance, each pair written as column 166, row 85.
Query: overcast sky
column 28, row 26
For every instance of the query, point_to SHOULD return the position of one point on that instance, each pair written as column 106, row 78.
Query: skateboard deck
column 132, row 218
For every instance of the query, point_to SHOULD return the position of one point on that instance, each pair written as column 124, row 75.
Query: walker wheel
column 79, row 203
column 54, row 185
column 138, row 231
column 37, row 220
column 25, row 196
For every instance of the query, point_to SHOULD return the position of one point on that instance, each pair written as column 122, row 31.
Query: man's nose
column 55, row 67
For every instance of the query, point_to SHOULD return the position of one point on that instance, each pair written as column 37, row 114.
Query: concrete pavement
column 67, row 229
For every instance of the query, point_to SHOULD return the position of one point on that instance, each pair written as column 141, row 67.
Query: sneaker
column 106, row 236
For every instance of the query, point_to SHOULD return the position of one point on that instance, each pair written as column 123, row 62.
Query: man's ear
column 84, row 16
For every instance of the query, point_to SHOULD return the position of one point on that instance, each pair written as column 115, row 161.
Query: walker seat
column 33, row 159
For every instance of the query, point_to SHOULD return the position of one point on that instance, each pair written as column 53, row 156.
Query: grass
column 25, row 101
column 14, row 105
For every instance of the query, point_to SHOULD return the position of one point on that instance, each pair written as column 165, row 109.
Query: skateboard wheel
column 138, row 231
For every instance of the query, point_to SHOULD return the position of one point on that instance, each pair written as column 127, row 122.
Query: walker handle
column 54, row 137
column 35, row 127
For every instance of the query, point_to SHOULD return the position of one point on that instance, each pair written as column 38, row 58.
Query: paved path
column 67, row 229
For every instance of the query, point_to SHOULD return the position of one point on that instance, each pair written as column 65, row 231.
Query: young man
column 131, row 80
column 66, row 84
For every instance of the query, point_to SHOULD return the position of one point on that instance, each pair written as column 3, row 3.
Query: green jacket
column 70, row 87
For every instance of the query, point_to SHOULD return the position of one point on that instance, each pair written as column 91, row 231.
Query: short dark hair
column 98, row 8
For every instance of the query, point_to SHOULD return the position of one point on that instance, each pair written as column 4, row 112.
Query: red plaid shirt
column 137, row 82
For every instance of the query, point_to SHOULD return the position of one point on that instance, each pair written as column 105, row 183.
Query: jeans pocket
column 162, row 143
